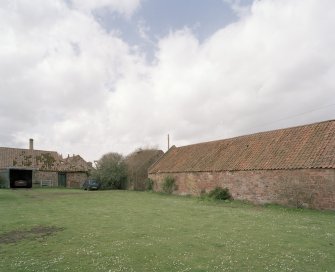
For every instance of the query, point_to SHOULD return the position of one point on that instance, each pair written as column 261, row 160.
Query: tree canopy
column 111, row 171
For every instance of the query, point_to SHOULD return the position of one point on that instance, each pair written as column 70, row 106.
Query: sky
column 91, row 77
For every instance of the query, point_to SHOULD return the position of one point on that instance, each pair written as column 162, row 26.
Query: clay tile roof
column 40, row 160
column 302, row 147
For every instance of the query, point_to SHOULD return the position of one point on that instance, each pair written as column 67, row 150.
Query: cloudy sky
column 90, row 77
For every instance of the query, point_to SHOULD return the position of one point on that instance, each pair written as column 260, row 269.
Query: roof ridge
column 300, row 147
column 27, row 149
column 158, row 160
column 260, row 132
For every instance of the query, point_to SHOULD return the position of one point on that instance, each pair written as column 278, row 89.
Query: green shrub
column 220, row 194
column 111, row 172
column 149, row 184
column 169, row 185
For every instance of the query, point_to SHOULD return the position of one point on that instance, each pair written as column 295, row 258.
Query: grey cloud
column 78, row 89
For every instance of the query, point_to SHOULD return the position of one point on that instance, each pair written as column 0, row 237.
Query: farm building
column 30, row 167
column 292, row 166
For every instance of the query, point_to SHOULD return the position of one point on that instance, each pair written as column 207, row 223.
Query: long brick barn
column 293, row 166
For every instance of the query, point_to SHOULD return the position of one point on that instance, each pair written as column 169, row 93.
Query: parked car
column 21, row 183
column 91, row 184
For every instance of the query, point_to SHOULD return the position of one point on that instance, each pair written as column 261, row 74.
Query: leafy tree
column 138, row 163
column 111, row 171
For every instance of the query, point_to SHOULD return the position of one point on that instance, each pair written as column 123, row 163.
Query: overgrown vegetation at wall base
column 169, row 185
column 219, row 193
column 149, row 184
column 44, row 230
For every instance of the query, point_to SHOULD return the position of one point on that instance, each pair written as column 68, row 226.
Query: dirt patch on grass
column 47, row 194
column 34, row 233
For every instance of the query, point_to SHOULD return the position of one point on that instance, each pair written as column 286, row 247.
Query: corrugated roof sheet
column 41, row 160
column 302, row 147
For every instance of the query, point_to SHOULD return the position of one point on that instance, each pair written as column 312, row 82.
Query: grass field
column 73, row 230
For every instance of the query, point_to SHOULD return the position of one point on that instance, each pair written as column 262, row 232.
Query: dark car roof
column 92, row 181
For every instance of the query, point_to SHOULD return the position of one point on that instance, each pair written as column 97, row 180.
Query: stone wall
column 314, row 188
column 39, row 176
column 75, row 179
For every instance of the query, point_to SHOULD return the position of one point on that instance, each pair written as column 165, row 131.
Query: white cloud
column 241, row 9
column 124, row 7
column 143, row 29
column 273, row 63
column 77, row 89
column 54, row 74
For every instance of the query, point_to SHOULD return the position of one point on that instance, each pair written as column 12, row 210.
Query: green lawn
column 73, row 230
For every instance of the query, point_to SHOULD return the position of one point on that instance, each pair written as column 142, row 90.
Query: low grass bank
column 73, row 230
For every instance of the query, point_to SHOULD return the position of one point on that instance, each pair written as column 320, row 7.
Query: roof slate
column 302, row 147
column 40, row 160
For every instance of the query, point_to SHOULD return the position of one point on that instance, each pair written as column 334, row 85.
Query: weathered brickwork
column 48, row 168
column 314, row 188
column 39, row 176
column 75, row 179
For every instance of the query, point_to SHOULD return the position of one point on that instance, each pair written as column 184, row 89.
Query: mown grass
column 139, row 231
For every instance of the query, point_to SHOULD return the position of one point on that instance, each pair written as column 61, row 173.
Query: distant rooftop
column 40, row 160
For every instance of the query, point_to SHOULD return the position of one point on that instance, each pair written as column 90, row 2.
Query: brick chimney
column 31, row 144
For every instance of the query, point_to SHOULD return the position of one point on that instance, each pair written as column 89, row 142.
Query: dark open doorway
column 20, row 178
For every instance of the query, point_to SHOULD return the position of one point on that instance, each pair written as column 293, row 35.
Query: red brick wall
column 314, row 188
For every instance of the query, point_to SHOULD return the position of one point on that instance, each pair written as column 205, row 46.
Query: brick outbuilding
column 30, row 167
column 293, row 166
